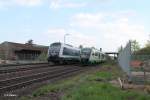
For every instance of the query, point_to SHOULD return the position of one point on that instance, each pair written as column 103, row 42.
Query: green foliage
column 100, row 76
column 51, row 88
column 145, row 50
column 61, row 85
column 120, row 49
column 147, row 44
column 102, row 91
column 2, row 56
column 134, row 45
column 42, row 57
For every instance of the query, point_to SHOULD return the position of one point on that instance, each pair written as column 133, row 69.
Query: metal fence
column 136, row 66
column 124, row 58
column 140, row 68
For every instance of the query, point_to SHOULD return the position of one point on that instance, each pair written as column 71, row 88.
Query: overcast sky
column 100, row 23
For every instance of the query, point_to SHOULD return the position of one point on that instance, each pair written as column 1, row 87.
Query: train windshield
column 55, row 47
column 86, row 51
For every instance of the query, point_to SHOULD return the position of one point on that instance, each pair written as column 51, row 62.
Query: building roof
column 27, row 46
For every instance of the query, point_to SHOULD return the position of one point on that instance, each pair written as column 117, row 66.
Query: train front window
column 55, row 47
column 86, row 51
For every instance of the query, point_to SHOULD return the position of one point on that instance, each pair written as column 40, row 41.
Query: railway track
column 18, row 79
column 26, row 72
column 8, row 65
column 22, row 67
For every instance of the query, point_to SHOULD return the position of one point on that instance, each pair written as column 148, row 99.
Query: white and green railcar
column 92, row 56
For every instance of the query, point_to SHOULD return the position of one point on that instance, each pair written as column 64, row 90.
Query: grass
column 58, row 86
column 92, row 86
column 102, row 91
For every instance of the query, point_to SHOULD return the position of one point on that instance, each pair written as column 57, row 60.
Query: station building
column 18, row 51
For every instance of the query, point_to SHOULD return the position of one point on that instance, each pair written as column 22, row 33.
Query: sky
column 106, row 24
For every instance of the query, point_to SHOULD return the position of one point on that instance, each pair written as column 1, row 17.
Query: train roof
column 92, row 48
column 67, row 45
column 61, row 43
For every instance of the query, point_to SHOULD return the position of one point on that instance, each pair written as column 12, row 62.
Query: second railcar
column 92, row 56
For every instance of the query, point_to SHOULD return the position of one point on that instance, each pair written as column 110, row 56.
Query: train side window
column 96, row 54
column 99, row 55
column 93, row 54
column 102, row 56
column 77, row 53
column 70, row 52
column 65, row 51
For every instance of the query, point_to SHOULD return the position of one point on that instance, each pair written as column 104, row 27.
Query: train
column 64, row 53
column 92, row 56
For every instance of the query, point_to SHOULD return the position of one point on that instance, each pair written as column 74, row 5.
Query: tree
column 146, row 49
column 134, row 45
column 120, row 49
column 30, row 41
column 148, row 42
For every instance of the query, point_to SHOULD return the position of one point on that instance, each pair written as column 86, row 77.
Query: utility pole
column 65, row 38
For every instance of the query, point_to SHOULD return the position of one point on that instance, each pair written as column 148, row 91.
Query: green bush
column 42, row 57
